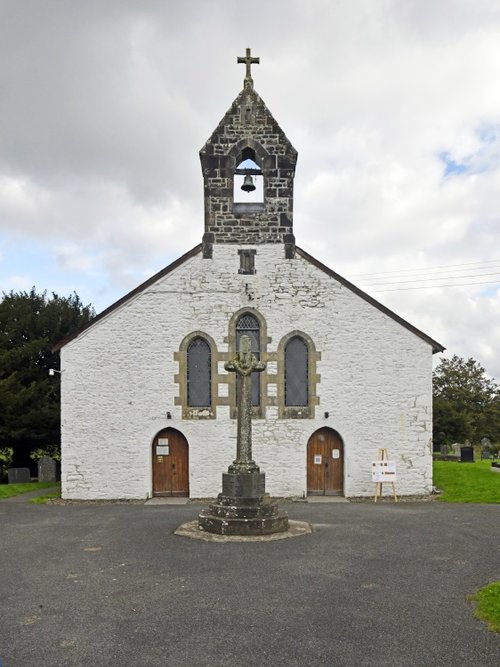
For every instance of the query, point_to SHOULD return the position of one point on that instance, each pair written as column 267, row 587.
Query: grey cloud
column 104, row 107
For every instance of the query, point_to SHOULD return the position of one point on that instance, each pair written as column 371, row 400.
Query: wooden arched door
column 170, row 464
column 325, row 463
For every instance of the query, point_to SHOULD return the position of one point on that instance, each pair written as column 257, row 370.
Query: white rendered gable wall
column 118, row 382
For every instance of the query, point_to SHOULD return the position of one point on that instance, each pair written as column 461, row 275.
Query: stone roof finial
column 248, row 61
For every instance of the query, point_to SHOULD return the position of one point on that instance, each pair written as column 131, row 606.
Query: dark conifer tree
column 30, row 325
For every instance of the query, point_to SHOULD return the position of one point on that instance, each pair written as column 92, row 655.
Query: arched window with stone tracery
column 248, row 325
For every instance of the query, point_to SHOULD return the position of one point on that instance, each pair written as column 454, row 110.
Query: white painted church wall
column 118, row 382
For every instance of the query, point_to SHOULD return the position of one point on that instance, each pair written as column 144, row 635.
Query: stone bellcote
column 248, row 147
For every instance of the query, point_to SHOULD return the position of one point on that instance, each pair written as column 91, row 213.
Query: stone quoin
column 147, row 405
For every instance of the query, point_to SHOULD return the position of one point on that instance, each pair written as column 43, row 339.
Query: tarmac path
column 381, row 585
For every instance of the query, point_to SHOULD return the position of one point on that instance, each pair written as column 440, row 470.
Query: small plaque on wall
column 162, row 450
column 317, row 459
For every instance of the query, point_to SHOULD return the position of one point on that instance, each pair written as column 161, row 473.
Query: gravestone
column 444, row 450
column 467, row 454
column 243, row 507
column 455, row 449
column 46, row 469
column 486, row 449
column 18, row 475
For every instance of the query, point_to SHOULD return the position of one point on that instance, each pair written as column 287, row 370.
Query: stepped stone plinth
column 243, row 507
column 251, row 513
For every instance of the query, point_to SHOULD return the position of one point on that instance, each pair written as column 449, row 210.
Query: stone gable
column 248, row 128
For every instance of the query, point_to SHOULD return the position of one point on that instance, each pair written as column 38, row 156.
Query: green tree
column 30, row 325
column 6, row 456
column 466, row 402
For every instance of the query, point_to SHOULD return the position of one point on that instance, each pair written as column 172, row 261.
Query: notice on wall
column 162, row 450
column 335, row 453
column 383, row 471
column 317, row 459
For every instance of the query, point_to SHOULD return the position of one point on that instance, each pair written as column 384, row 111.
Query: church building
column 147, row 408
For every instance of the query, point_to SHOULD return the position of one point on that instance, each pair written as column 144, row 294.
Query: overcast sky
column 393, row 106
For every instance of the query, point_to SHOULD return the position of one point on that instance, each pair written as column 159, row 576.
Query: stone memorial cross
column 243, row 507
column 244, row 364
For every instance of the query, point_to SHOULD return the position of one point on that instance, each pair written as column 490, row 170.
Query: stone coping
column 191, row 529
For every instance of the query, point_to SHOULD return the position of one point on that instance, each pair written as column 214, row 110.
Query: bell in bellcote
column 248, row 185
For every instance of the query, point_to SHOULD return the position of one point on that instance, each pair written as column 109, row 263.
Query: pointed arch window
column 296, row 373
column 248, row 325
column 199, row 380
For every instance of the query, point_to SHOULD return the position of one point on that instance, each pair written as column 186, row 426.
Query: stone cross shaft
column 248, row 61
column 244, row 364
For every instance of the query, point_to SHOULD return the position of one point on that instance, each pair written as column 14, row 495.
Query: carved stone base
column 243, row 484
column 243, row 508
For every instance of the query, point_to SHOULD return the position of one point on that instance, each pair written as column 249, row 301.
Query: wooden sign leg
column 394, row 492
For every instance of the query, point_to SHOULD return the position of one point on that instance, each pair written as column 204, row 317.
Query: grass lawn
column 8, row 490
column 39, row 500
column 488, row 605
column 467, row 482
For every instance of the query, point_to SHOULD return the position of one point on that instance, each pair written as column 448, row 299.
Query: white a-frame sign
column 384, row 471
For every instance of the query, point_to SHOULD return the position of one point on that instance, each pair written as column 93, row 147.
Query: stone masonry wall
column 119, row 382
column 248, row 123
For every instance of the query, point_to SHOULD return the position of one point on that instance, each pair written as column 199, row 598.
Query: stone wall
column 248, row 124
column 119, row 381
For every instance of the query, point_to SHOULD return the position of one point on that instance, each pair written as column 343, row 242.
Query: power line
column 435, row 271
column 404, row 289
column 428, row 268
column 421, row 280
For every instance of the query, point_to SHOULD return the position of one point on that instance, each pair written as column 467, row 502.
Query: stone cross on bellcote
column 248, row 61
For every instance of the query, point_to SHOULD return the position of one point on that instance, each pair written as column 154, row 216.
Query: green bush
column 6, row 456
column 52, row 451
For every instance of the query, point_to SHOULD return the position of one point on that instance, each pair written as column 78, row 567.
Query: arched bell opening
column 248, row 179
